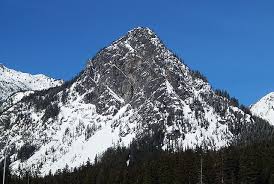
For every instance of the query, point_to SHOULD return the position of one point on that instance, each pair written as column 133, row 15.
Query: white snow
column 12, row 81
column 264, row 108
column 169, row 87
column 128, row 46
column 116, row 96
column 70, row 144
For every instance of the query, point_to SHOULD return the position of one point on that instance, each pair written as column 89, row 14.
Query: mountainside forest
column 146, row 164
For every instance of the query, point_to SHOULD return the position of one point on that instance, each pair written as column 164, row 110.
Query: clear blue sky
column 231, row 42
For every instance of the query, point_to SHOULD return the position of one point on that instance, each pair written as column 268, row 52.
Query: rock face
column 12, row 81
column 134, row 89
column 264, row 108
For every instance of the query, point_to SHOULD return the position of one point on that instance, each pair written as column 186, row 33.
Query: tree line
column 146, row 164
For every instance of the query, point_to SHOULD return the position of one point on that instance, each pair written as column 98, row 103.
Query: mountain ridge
column 12, row 81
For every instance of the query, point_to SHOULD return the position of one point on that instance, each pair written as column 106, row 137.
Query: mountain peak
column 137, row 54
column 141, row 30
column 137, row 37
column 136, row 45
column 264, row 108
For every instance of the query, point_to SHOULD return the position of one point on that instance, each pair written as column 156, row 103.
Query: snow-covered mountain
column 264, row 108
column 133, row 89
column 12, row 81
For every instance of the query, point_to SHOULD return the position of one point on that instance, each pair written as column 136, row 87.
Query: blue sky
column 231, row 42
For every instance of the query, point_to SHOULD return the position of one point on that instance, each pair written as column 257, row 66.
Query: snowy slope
column 133, row 89
column 12, row 81
column 264, row 108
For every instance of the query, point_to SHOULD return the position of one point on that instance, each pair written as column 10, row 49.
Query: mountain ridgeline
column 12, row 81
column 133, row 90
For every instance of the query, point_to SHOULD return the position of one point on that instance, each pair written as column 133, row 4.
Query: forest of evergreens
column 143, row 164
